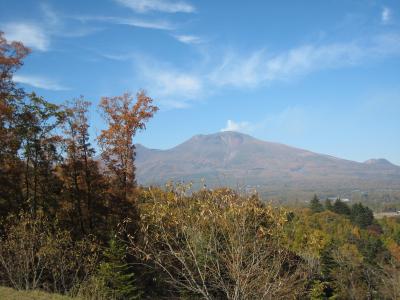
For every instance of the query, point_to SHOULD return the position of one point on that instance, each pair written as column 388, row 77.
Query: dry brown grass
column 11, row 294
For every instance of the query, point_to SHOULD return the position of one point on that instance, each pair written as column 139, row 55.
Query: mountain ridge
column 230, row 158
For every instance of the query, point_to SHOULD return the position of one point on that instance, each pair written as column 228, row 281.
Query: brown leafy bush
column 216, row 244
column 36, row 254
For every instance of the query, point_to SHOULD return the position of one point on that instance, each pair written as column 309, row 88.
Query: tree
column 83, row 185
column 347, row 275
column 315, row 205
column 218, row 245
column 38, row 122
column 116, row 279
column 341, row 208
column 124, row 118
column 328, row 204
column 11, row 59
column 390, row 280
column 361, row 215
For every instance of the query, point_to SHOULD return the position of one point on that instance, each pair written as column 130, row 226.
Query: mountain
column 239, row 160
column 379, row 162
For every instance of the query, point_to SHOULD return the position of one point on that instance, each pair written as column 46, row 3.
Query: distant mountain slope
column 236, row 159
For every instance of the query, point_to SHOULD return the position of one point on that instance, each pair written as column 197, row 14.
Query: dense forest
column 74, row 222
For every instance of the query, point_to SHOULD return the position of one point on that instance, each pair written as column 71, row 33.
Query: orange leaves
column 124, row 116
column 394, row 249
column 124, row 119
column 143, row 110
column 11, row 56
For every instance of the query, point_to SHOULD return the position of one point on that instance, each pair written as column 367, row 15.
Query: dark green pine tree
column 341, row 208
column 315, row 205
column 328, row 204
column 115, row 274
column 361, row 215
column 328, row 265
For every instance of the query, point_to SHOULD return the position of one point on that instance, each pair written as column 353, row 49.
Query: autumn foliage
column 124, row 119
column 74, row 221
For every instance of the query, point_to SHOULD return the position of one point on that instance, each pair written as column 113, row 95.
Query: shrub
column 216, row 244
column 36, row 254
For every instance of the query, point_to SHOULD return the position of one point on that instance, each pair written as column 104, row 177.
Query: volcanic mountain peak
column 379, row 161
column 232, row 158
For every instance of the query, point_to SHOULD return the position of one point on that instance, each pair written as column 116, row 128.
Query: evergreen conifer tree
column 115, row 274
column 341, row 208
column 328, row 204
column 361, row 215
column 315, row 205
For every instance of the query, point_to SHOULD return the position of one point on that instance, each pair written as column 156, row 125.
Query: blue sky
column 319, row 75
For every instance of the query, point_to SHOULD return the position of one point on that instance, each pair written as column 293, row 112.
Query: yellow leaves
column 214, row 233
column 176, row 212
column 349, row 253
column 394, row 249
column 318, row 240
column 356, row 232
column 261, row 232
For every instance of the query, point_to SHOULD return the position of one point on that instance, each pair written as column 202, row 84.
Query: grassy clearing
column 11, row 294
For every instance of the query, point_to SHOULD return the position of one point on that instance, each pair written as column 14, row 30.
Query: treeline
column 60, row 202
column 74, row 221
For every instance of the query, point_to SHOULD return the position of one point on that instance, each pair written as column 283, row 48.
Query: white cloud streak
column 261, row 67
column 135, row 22
column 39, row 82
column 180, row 88
column 237, row 126
column 39, row 33
column 386, row 15
column 52, row 18
column 188, row 39
column 144, row 6
column 175, row 88
column 32, row 35
column 162, row 25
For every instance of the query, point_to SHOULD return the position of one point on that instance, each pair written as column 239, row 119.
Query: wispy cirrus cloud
column 150, row 24
column 188, row 39
column 386, row 15
column 261, row 67
column 49, row 14
column 31, row 34
column 166, row 6
column 38, row 33
column 117, row 56
column 135, row 22
column 40, row 82
column 175, row 87
column 180, row 87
